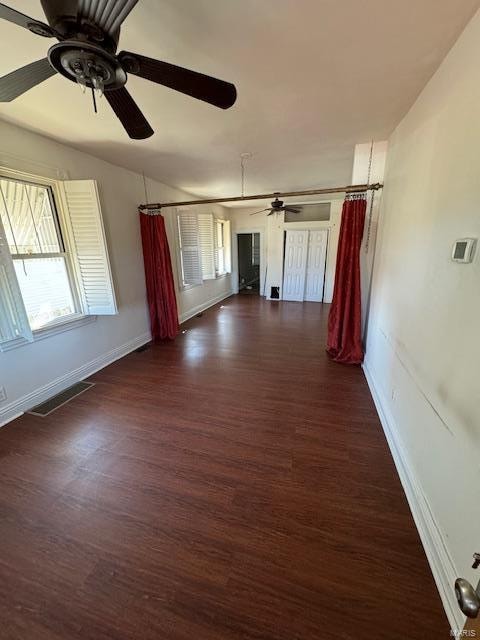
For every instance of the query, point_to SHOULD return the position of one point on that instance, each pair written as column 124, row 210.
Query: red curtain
column 162, row 303
column 344, row 342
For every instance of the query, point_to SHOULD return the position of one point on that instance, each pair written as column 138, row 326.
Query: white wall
column 272, row 230
column 35, row 371
column 423, row 348
column 369, row 168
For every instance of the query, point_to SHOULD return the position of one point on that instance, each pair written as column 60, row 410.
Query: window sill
column 47, row 332
column 187, row 287
column 60, row 326
column 219, row 276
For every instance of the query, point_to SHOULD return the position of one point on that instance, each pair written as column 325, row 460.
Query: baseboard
column 203, row 307
column 439, row 559
column 18, row 407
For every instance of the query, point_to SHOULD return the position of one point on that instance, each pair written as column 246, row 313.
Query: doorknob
column 467, row 597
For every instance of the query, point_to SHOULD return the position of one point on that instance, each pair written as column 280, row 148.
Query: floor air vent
column 60, row 399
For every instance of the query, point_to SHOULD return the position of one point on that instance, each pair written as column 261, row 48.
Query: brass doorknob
column 468, row 598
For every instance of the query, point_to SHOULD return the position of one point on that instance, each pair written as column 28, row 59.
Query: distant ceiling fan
column 88, row 32
column 277, row 207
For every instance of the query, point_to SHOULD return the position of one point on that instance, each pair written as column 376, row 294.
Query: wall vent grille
column 46, row 408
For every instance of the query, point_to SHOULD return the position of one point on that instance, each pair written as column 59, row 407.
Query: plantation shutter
column 13, row 317
column 207, row 245
column 89, row 247
column 190, row 248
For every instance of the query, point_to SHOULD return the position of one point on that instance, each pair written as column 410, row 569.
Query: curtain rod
column 358, row 188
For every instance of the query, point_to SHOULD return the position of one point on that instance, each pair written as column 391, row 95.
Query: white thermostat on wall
column 464, row 250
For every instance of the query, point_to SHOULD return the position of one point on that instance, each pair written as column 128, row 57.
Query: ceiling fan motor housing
column 62, row 16
column 88, row 64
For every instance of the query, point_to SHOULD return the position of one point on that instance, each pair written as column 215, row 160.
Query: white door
column 295, row 267
column 317, row 253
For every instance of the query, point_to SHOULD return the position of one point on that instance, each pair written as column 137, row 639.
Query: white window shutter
column 190, row 248
column 13, row 318
column 89, row 247
column 207, row 245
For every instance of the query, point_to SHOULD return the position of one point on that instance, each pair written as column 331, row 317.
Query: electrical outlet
column 3, row 394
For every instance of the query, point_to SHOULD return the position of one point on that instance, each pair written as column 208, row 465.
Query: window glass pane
column 28, row 218
column 221, row 261
column 219, row 234
column 45, row 289
column 317, row 212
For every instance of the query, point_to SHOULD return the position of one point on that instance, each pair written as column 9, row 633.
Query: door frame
column 262, row 268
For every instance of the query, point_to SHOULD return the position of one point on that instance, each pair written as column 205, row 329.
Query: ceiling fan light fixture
column 88, row 64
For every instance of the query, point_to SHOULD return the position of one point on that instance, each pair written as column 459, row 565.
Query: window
column 220, row 257
column 32, row 231
column 315, row 212
column 204, row 243
column 53, row 260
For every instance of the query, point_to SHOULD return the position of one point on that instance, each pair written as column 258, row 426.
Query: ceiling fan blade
column 107, row 14
column 127, row 111
column 197, row 85
column 26, row 22
column 17, row 82
column 291, row 210
column 256, row 212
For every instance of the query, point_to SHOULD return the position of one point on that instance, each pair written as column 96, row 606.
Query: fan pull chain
column 369, row 225
column 243, row 159
column 372, row 199
column 94, row 101
column 243, row 178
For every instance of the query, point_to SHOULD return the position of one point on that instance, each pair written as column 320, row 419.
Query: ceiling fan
column 88, row 32
column 277, row 207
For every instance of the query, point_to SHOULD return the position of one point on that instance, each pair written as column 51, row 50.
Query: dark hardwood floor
column 232, row 485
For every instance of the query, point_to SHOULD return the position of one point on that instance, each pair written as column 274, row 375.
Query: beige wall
column 35, row 371
column 423, row 348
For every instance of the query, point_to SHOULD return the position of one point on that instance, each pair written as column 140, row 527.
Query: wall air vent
column 50, row 405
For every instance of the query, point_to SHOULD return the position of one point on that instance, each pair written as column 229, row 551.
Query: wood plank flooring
column 232, row 485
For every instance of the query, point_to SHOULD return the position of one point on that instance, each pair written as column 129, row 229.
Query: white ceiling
column 314, row 77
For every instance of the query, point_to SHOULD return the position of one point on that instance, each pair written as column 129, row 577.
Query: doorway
column 248, row 263
column 305, row 265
